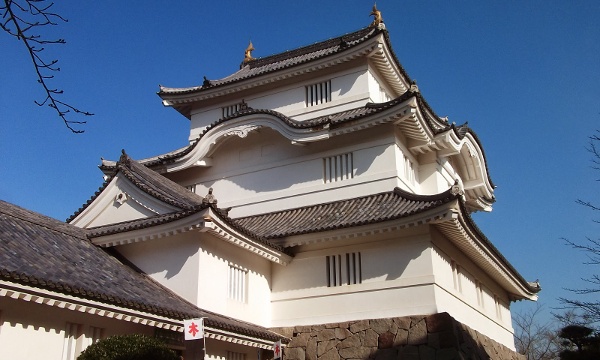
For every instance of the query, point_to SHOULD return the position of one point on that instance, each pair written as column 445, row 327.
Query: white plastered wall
column 264, row 172
column 468, row 294
column 173, row 261
column 349, row 89
column 397, row 280
column 195, row 266
column 36, row 331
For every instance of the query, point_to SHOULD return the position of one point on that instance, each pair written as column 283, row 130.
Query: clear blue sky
column 526, row 75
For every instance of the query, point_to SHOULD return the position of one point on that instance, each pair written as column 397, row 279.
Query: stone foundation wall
column 437, row 337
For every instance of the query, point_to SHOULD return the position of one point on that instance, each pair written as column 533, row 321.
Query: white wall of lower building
column 36, row 331
column 196, row 266
column 173, row 261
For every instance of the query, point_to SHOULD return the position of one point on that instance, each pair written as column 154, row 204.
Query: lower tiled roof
column 45, row 253
column 343, row 214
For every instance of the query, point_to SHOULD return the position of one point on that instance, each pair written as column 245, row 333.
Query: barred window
column 72, row 336
column 94, row 335
column 232, row 355
column 410, row 173
column 237, row 287
column 338, row 168
column 232, row 109
column 344, row 269
column 319, row 93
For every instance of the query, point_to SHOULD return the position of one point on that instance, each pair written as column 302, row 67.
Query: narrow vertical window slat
column 348, row 277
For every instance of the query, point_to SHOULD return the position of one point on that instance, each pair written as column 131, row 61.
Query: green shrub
column 128, row 347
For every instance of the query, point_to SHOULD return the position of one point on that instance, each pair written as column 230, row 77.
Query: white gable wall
column 135, row 204
column 216, row 258
column 195, row 266
column 173, row 261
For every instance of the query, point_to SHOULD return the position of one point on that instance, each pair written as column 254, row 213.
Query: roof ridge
column 286, row 54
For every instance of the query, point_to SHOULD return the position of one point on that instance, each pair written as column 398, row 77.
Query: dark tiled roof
column 342, row 214
column 174, row 216
column 151, row 183
column 142, row 223
column 45, row 253
column 436, row 124
column 287, row 59
column 157, row 185
column 471, row 224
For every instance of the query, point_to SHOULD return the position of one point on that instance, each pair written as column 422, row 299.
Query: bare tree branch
column 22, row 19
column 591, row 248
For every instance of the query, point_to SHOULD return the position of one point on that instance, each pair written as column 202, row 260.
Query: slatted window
column 94, row 334
column 319, row 93
column 456, row 276
column 232, row 109
column 344, row 269
column 70, row 347
column 498, row 307
column 383, row 95
column 232, row 355
column 237, row 287
column 409, row 171
column 338, row 168
column 191, row 188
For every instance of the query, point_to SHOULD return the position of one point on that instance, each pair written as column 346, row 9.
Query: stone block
column 311, row 349
column 299, row 340
column 302, row 329
column 402, row 323
column 325, row 346
column 381, row 325
column 351, row 341
column 415, row 319
column 401, row 337
column 417, row 334
column 359, row 326
column 439, row 322
column 370, row 338
column 294, row 354
column 355, row 353
column 342, row 333
column 332, row 354
column 385, row 340
column 326, row 334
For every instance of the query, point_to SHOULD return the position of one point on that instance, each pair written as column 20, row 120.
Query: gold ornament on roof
column 377, row 17
column 248, row 53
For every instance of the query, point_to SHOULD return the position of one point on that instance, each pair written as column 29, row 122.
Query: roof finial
column 209, row 199
column 378, row 20
column 124, row 158
column 248, row 53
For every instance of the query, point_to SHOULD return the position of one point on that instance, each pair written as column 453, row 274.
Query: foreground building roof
column 57, row 263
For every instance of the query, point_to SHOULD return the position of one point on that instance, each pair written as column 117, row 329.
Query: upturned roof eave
column 181, row 98
column 486, row 255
